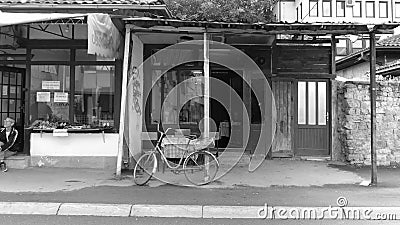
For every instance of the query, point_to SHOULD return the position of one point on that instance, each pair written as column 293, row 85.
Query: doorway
column 312, row 136
column 12, row 83
column 228, row 113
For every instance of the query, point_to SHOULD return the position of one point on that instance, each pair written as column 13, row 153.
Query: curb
column 84, row 209
column 199, row 211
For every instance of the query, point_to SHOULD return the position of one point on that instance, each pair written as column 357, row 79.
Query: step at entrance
column 17, row 161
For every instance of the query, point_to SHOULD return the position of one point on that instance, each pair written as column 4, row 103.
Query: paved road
column 167, row 194
column 86, row 220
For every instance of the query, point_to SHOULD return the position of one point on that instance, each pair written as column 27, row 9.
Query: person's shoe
column 3, row 167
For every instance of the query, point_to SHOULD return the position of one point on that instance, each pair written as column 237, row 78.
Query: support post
column 206, row 86
column 374, row 169
column 125, row 68
column 332, row 113
column 206, row 67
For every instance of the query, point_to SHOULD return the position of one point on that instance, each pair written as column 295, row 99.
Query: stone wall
column 354, row 122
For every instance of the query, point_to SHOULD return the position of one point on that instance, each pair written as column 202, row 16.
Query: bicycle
column 200, row 166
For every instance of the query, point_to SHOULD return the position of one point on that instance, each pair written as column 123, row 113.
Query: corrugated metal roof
column 262, row 28
column 134, row 2
column 393, row 40
column 390, row 66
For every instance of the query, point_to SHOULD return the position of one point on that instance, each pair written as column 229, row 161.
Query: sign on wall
column 103, row 37
column 43, row 97
column 50, row 85
column 60, row 97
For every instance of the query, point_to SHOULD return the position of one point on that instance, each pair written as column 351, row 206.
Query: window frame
column 397, row 13
column 343, row 3
column 346, row 47
column 323, row 8
column 311, row 5
column 301, row 11
column 360, row 4
column 386, row 9
column 72, row 63
column 373, row 9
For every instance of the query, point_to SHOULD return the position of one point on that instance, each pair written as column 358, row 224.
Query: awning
column 8, row 19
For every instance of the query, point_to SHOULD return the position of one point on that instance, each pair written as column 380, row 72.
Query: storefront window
column 186, row 94
column 94, row 95
column 170, row 103
column 190, row 96
column 82, row 55
column 50, row 86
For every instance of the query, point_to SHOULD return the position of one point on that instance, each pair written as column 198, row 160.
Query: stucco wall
column 88, row 150
column 354, row 119
column 354, row 71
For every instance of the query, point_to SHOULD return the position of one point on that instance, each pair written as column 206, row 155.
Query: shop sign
column 60, row 132
column 43, row 97
column 103, row 37
column 50, row 85
column 60, row 97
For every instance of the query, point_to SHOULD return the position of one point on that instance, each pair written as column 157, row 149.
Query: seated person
column 8, row 137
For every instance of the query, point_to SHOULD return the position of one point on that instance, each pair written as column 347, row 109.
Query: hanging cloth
column 224, row 129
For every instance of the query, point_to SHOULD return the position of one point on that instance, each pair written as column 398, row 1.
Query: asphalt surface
column 168, row 194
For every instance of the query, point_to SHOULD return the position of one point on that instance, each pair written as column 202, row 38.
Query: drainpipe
column 391, row 9
column 374, row 169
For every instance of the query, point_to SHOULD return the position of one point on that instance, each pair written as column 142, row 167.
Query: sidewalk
column 289, row 183
column 271, row 173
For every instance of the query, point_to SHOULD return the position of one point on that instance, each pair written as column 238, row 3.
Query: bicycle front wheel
column 145, row 168
column 200, row 167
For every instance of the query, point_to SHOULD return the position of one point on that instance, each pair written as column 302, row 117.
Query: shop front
column 79, row 109
column 55, row 83
column 283, row 107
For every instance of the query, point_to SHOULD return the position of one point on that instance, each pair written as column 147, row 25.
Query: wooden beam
column 123, row 102
column 372, row 41
column 317, row 41
column 332, row 113
column 304, row 75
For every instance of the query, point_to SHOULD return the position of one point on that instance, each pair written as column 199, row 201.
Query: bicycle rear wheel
column 200, row 167
column 145, row 168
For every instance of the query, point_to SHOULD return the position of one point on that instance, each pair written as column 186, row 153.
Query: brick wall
column 354, row 122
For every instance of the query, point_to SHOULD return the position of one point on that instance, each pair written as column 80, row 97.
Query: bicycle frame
column 191, row 163
column 157, row 148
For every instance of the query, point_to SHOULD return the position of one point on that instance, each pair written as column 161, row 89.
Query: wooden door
column 283, row 95
column 312, row 130
column 12, row 81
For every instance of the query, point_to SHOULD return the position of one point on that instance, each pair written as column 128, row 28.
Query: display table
column 78, row 148
column 65, row 132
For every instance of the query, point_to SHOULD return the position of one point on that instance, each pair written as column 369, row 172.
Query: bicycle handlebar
column 158, row 128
